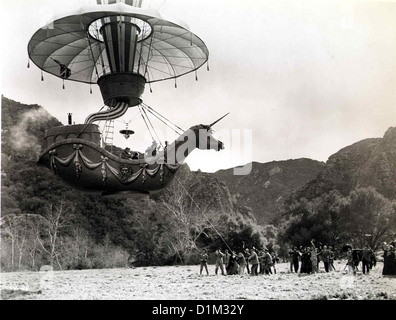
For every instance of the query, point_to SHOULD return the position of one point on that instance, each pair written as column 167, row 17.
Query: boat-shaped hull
column 84, row 165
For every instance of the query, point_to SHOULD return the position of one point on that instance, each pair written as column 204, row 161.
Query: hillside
column 266, row 187
column 367, row 163
column 352, row 200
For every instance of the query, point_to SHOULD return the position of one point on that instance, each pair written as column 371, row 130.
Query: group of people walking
column 354, row 257
column 307, row 259
column 310, row 258
column 302, row 260
column 251, row 261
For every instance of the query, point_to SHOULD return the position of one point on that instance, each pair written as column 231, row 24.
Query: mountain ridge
column 367, row 163
column 272, row 182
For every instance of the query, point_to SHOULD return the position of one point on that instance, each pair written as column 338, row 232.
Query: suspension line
column 152, row 127
column 157, row 115
column 148, row 128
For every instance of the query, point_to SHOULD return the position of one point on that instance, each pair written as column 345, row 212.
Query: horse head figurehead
column 205, row 139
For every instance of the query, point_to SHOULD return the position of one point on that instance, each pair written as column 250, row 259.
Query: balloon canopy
column 98, row 41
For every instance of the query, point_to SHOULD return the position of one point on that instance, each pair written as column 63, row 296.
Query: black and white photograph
column 216, row 152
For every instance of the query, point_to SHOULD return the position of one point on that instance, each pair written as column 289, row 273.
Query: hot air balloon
column 121, row 47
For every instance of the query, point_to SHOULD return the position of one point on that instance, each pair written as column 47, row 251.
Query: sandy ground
column 185, row 283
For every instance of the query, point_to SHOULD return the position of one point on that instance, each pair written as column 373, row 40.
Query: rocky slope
column 266, row 187
column 370, row 162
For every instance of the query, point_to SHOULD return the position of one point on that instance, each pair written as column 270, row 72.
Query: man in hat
column 126, row 154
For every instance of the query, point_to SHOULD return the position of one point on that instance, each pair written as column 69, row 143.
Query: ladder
column 109, row 134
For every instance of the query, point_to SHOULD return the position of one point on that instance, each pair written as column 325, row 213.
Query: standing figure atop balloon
column 121, row 47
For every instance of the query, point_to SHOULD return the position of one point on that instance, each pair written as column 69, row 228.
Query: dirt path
column 184, row 282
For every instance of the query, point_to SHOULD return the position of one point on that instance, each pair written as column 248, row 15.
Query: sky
column 301, row 79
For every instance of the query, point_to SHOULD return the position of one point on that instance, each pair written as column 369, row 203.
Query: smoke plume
column 24, row 134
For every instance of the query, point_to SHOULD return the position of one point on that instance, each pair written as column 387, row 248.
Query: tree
column 9, row 227
column 368, row 217
column 58, row 217
column 22, row 232
column 75, row 247
column 241, row 235
column 317, row 218
column 36, row 223
column 187, row 220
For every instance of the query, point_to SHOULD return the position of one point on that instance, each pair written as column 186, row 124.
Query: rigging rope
column 128, row 122
column 157, row 114
column 148, row 128
column 211, row 224
column 163, row 122
column 155, row 132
